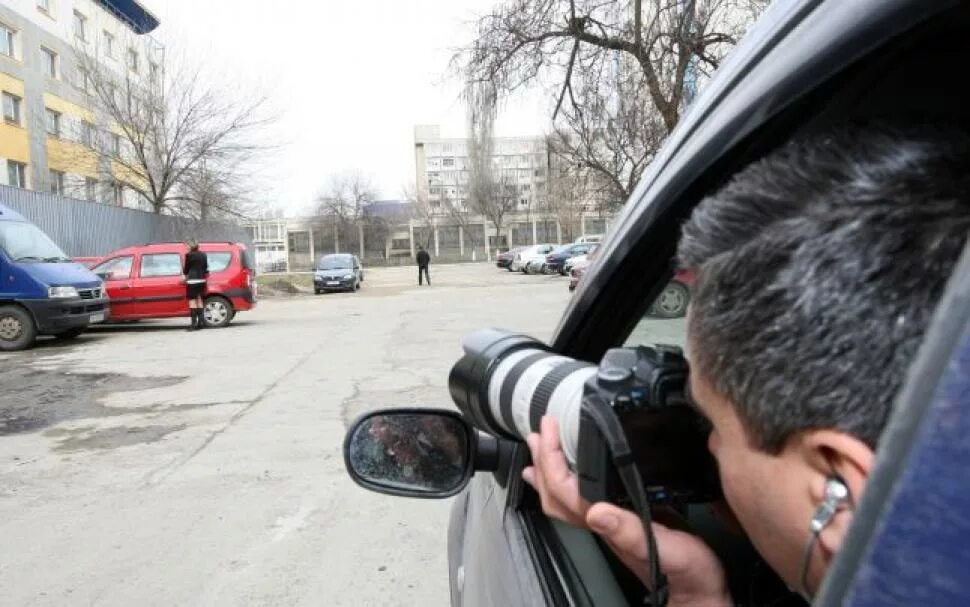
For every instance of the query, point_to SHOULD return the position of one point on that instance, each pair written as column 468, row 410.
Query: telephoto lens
column 506, row 382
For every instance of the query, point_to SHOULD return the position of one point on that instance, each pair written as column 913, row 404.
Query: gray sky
column 349, row 80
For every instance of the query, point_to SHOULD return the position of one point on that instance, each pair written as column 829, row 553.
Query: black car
column 338, row 272
column 806, row 65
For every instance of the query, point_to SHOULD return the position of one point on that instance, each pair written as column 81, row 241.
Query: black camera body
column 646, row 390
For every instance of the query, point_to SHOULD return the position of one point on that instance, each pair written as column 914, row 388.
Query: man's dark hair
column 818, row 269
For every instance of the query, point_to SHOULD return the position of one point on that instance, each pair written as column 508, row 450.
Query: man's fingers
column 620, row 527
column 551, row 456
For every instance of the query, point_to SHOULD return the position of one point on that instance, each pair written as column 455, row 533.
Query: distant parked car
column 146, row 281
column 590, row 239
column 338, row 272
column 527, row 254
column 502, row 260
column 579, row 260
column 556, row 260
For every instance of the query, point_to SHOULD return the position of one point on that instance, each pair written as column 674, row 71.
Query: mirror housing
column 416, row 452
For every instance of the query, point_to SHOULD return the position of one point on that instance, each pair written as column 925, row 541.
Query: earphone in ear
column 836, row 494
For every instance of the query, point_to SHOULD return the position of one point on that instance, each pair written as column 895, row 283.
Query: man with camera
column 816, row 272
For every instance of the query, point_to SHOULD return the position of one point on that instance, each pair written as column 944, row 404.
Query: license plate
column 96, row 318
column 331, row 283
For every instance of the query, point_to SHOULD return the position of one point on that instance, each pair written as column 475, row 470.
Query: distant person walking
column 196, row 271
column 424, row 260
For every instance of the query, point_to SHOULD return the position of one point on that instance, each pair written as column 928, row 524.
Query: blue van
column 42, row 290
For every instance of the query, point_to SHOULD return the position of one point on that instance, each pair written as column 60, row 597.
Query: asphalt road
column 146, row 465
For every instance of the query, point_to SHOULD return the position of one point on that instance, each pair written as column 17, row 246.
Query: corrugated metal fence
column 91, row 229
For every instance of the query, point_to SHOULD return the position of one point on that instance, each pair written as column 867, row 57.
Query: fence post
column 313, row 256
column 360, row 233
column 435, row 228
column 461, row 242
column 535, row 239
column 582, row 224
column 558, row 232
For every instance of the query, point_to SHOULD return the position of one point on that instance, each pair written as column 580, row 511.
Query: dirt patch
column 37, row 399
column 86, row 439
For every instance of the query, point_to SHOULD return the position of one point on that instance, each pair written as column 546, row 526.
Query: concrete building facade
column 50, row 119
column 442, row 168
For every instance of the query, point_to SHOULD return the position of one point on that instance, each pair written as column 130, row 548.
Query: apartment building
column 51, row 122
column 442, row 168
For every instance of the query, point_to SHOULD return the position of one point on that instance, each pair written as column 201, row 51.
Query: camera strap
column 609, row 426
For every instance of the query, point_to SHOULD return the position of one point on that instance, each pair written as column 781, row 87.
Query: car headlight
column 348, row 276
column 61, row 292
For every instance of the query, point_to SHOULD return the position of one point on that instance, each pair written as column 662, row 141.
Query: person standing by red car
column 196, row 269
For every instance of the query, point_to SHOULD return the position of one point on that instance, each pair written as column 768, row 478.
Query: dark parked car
column 503, row 260
column 806, row 65
column 338, row 272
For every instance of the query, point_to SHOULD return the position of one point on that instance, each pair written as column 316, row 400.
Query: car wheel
column 17, row 330
column 218, row 312
column 317, row 291
column 357, row 286
column 672, row 302
column 71, row 334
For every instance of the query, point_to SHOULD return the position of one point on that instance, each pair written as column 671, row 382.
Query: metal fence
column 91, row 229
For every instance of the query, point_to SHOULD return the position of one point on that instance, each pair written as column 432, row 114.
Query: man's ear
column 834, row 453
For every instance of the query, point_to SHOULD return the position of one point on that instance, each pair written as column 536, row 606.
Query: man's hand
column 694, row 574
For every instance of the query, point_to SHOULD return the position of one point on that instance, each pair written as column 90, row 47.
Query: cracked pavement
column 148, row 465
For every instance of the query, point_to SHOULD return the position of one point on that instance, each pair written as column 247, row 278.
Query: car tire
column 17, row 329
column 672, row 301
column 70, row 334
column 218, row 312
column 357, row 286
column 317, row 291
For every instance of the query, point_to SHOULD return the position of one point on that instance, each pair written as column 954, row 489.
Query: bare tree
column 493, row 193
column 166, row 133
column 620, row 72
column 344, row 201
column 422, row 211
column 572, row 191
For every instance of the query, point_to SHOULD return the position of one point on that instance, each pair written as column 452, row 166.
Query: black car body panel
column 806, row 64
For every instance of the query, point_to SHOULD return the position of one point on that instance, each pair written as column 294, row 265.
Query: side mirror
column 428, row 453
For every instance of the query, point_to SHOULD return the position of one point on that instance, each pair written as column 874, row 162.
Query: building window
column 153, row 72
column 57, row 182
column 53, row 122
column 87, row 133
column 8, row 41
column 44, row 6
column 84, row 80
column 116, row 144
column 448, row 162
column 11, row 108
column 16, row 174
column 109, row 44
column 48, row 61
column 90, row 189
column 133, row 60
column 118, row 193
column 80, row 26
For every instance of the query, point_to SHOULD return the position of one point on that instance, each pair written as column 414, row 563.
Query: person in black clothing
column 423, row 261
column 196, row 270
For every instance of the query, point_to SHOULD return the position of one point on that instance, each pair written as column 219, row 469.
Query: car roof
column 8, row 214
column 168, row 247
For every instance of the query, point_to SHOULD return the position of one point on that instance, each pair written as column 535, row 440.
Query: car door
column 158, row 289
column 117, row 273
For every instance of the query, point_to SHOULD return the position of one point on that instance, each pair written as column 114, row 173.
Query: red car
column 145, row 281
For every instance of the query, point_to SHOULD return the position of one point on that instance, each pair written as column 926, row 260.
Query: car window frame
column 144, row 256
column 587, row 335
column 131, row 267
column 219, row 252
